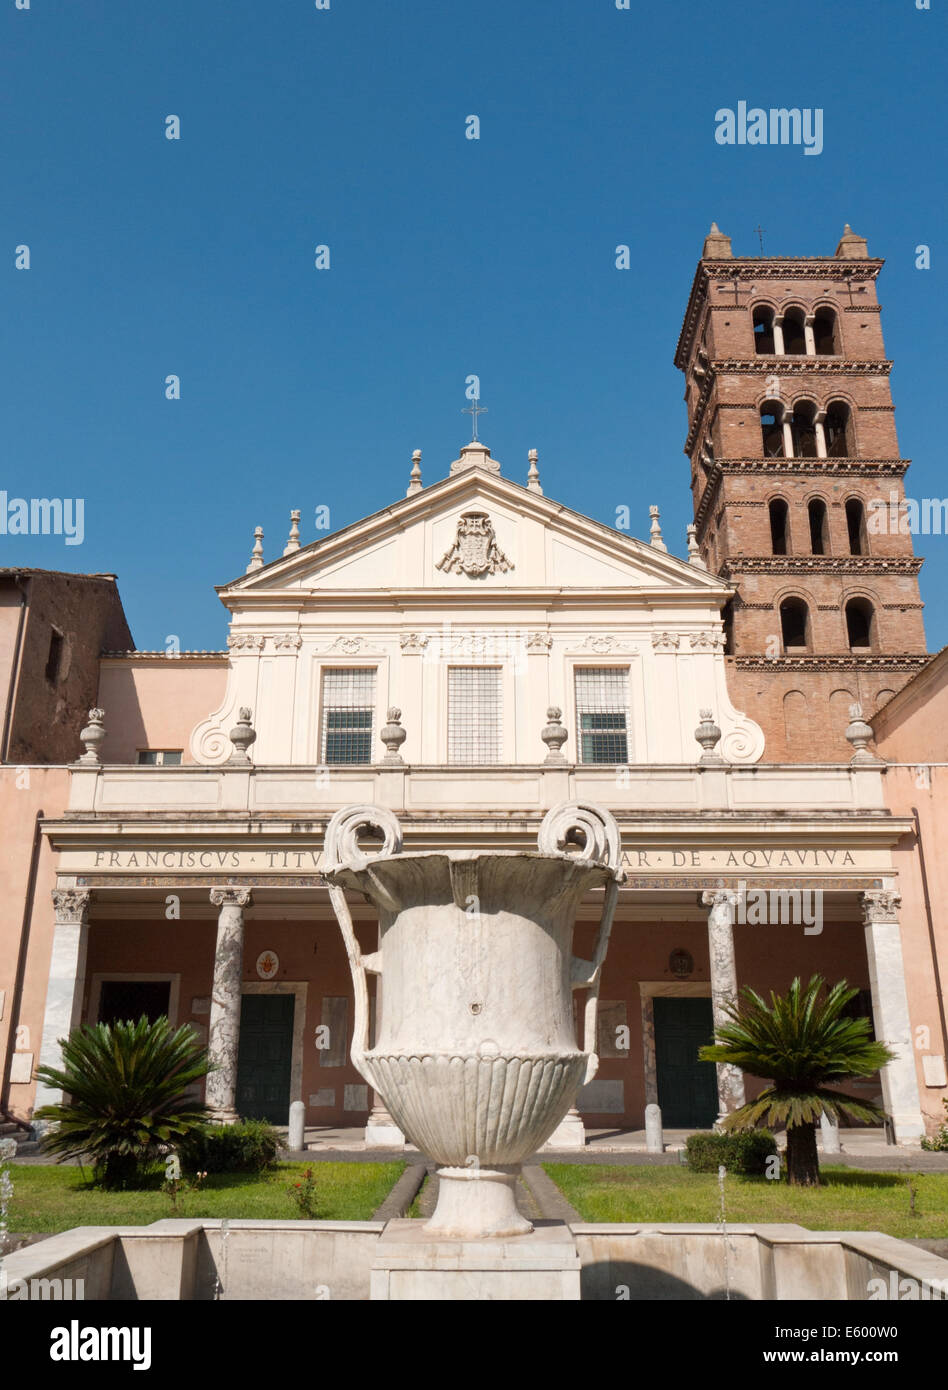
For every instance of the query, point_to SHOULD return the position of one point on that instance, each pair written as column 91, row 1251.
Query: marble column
column 778, row 335
column 720, row 903
column 67, row 979
column 224, row 1022
column 890, row 1014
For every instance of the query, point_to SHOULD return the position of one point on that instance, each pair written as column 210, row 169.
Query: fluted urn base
column 474, row 1203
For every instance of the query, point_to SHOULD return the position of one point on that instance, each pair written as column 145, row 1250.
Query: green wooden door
column 264, row 1057
column 687, row 1088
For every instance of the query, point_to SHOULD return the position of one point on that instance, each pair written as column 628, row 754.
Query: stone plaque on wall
column 201, row 1004
column 21, row 1068
column 334, row 1017
column 355, row 1098
column 601, row 1098
column 324, row 1097
column 612, row 1016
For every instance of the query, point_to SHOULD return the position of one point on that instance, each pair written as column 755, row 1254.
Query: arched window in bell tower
column 856, row 526
column 825, row 333
column 794, row 623
column 838, row 430
column 779, row 526
column 860, row 622
column 794, row 336
column 803, row 430
column 819, row 526
column 771, row 429
column 763, row 329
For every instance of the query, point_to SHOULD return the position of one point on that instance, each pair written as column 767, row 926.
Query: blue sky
column 449, row 256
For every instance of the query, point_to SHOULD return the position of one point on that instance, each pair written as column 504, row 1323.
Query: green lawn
column 53, row 1198
column 849, row 1200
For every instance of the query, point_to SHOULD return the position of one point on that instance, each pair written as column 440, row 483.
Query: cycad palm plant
column 125, row 1086
column 804, row 1043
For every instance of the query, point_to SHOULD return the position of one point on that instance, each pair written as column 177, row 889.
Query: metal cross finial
column 760, row 236
column 474, row 409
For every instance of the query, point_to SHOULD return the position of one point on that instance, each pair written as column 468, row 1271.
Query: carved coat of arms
column 475, row 550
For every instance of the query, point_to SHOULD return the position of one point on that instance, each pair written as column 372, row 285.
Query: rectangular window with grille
column 474, row 731
column 348, row 714
column 602, row 713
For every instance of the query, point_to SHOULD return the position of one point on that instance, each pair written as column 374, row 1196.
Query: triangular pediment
column 476, row 532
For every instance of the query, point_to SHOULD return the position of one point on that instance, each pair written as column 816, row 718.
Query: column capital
column 719, row 897
column 71, row 905
column 231, row 897
column 880, row 905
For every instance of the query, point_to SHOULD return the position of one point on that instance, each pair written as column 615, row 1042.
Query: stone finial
column 717, row 246
column 533, row 473
column 859, row 734
column 393, row 736
column 92, row 736
column 852, row 247
column 655, row 530
column 256, row 555
column 242, row 735
column 414, row 482
column 293, row 540
column 554, row 735
column 708, row 735
column 694, row 554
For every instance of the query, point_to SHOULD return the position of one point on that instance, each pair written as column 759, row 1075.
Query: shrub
column 305, row 1196
column 740, row 1153
column 249, row 1146
column 126, row 1102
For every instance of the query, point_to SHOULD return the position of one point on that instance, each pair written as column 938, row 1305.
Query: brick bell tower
column 796, row 480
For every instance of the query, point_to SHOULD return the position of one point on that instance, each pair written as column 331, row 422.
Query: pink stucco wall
column 156, row 702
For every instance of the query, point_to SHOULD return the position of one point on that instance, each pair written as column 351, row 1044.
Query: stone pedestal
column 381, row 1131
column 411, row 1265
column 570, row 1133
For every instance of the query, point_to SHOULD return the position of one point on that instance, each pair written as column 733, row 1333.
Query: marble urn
column 476, row 1056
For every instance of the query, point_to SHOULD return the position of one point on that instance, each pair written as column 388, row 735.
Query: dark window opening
column 819, row 530
column 121, row 1000
column 771, row 431
column 794, row 619
column 836, row 429
column 856, row 525
column 779, row 526
column 859, row 622
column 794, row 337
column 55, row 655
column 763, row 330
column 824, row 333
column 803, row 431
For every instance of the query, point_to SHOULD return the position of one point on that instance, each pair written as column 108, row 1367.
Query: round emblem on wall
column 681, row 964
column 268, row 963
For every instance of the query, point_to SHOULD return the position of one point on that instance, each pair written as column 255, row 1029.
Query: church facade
column 467, row 657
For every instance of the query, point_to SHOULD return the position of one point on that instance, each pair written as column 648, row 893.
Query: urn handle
column 342, row 850
column 593, row 831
